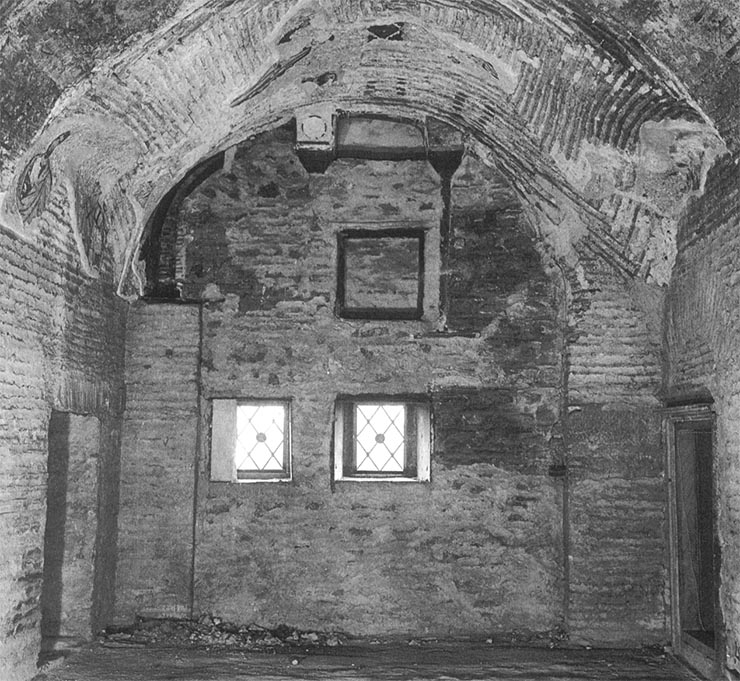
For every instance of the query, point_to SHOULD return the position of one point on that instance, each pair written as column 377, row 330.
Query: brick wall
column 61, row 343
column 617, row 521
column 702, row 333
column 616, row 514
column 618, row 560
column 158, row 446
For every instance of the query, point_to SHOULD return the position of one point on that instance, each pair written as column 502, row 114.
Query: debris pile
column 553, row 638
column 210, row 631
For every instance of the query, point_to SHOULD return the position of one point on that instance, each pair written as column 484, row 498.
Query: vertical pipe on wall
column 565, row 434
column 445, row 246
column 196, row 459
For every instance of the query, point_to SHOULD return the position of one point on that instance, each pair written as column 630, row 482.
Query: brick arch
column 536, row 89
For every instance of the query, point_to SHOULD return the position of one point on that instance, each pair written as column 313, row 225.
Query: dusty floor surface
column 358, row 662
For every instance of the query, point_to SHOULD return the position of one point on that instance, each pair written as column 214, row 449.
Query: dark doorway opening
column 694, row 546
column 70, row 532
column 56, row 518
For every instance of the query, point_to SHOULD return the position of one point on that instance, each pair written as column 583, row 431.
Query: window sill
column 381, row 479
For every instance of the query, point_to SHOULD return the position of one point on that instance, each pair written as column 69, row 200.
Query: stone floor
column 358, row 662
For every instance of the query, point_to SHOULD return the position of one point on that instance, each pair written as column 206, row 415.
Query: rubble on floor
column 359, row 661
column 210, row 631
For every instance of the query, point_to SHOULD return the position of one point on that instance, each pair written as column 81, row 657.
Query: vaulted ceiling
column 604, row 116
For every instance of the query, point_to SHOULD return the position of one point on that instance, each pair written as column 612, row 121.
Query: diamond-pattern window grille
column 260, row 437
column 380, row 440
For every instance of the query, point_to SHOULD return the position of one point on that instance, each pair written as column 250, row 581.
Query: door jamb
column 695, row 655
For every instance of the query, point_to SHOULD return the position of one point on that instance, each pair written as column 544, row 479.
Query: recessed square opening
column 381, row 274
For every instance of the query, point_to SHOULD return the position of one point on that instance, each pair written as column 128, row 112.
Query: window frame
column 408, row 313
column 418, row 431
column 224, row 438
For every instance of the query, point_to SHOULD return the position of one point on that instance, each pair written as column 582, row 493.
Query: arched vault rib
column 576, row 118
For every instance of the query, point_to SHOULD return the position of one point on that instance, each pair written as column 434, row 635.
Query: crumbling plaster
column 699, row 40
column 536, row 89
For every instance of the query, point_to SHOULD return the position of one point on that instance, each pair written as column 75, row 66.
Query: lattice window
column 260, row 437
column 250, row 440
column 382, row 439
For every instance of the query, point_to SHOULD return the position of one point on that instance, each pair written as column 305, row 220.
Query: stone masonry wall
column 472, row 551
column 702, row 335
column 479, row 548
column 61, row 343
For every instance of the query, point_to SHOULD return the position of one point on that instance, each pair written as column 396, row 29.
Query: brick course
column 157, row 462
column 61, row 344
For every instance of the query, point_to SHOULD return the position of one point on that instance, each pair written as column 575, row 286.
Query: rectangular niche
column 67, row 594
column 381, row 274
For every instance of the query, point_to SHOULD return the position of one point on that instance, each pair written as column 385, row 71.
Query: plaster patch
column 676, row 143
column 507, row 73
column 7, row 172
column 13, row 222
column 598, row 170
